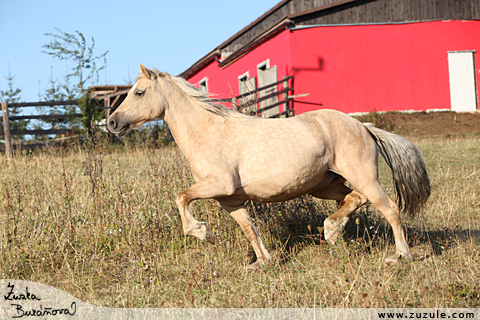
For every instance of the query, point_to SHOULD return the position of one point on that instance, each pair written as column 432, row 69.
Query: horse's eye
column 139, row 93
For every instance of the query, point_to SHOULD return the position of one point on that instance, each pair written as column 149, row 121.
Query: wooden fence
column 249, row 102
column 9, row 133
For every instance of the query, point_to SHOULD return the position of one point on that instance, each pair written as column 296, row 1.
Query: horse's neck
column 186, row 121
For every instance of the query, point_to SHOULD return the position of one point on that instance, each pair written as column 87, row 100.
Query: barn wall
column 359, row 68
column 222, row 81
column 361, row 11
column 379, row 67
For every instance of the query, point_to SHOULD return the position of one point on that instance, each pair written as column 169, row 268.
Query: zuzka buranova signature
column 18, row 298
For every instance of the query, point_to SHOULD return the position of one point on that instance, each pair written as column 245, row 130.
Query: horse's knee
column 182, row 199
column 356, row 199
column 363, row 199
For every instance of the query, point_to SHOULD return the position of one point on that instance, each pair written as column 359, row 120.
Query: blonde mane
column 201, row 98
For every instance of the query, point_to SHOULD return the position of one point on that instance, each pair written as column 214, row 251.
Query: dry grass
column 104, row 227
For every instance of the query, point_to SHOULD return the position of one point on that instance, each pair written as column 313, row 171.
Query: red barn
column 354, row 56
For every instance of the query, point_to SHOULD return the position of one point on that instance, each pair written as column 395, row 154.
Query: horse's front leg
column 209, row 187
column 240, row 214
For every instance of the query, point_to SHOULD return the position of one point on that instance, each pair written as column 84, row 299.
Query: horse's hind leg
column 351, row 200
column 240, row 214
column 367, row 183
column 389, row 208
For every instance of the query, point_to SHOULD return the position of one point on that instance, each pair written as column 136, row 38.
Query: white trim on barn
column 461, row 70
column 203, row 85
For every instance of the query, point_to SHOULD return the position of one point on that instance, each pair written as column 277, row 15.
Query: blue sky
column 167, row 35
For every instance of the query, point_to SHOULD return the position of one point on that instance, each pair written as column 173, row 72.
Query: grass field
column 103, row 226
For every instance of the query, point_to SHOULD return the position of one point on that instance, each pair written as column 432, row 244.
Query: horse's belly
column 280, row 187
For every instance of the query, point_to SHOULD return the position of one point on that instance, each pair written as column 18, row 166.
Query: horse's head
column 144, row 102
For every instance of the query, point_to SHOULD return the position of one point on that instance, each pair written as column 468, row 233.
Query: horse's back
column 332, row 118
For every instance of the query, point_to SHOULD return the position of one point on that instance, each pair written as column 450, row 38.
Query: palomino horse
column 234, row 158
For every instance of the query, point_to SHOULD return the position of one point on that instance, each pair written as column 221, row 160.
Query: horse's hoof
column 391, row 260
column 202, row 232
column 396, row 257
column 332, row 229
column 256, row 265
column 206, row 233
column 331, row 237
column 209, row 236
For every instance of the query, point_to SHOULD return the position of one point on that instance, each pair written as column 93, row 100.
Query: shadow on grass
column 444, row 239
column 293, row 225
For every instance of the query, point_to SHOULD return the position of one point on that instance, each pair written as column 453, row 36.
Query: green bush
column 90, row 112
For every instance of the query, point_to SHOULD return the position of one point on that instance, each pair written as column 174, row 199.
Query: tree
column 87, row 66
column 52, row 93
column 74, row 47
column 12, row 95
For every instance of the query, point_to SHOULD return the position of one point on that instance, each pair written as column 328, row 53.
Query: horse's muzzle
column 112, row 124
column 116, row 127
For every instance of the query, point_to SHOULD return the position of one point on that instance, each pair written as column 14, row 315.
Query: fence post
column 106, row 103
column 285, row 97
column 6, row 130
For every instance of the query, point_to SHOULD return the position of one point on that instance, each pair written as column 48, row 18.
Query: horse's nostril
column 112, row 123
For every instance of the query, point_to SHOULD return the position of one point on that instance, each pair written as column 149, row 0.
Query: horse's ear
column 144, row 71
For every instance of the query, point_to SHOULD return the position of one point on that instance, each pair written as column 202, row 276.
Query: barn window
column 246, row 84
column 204, row 85
column 267, row 75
